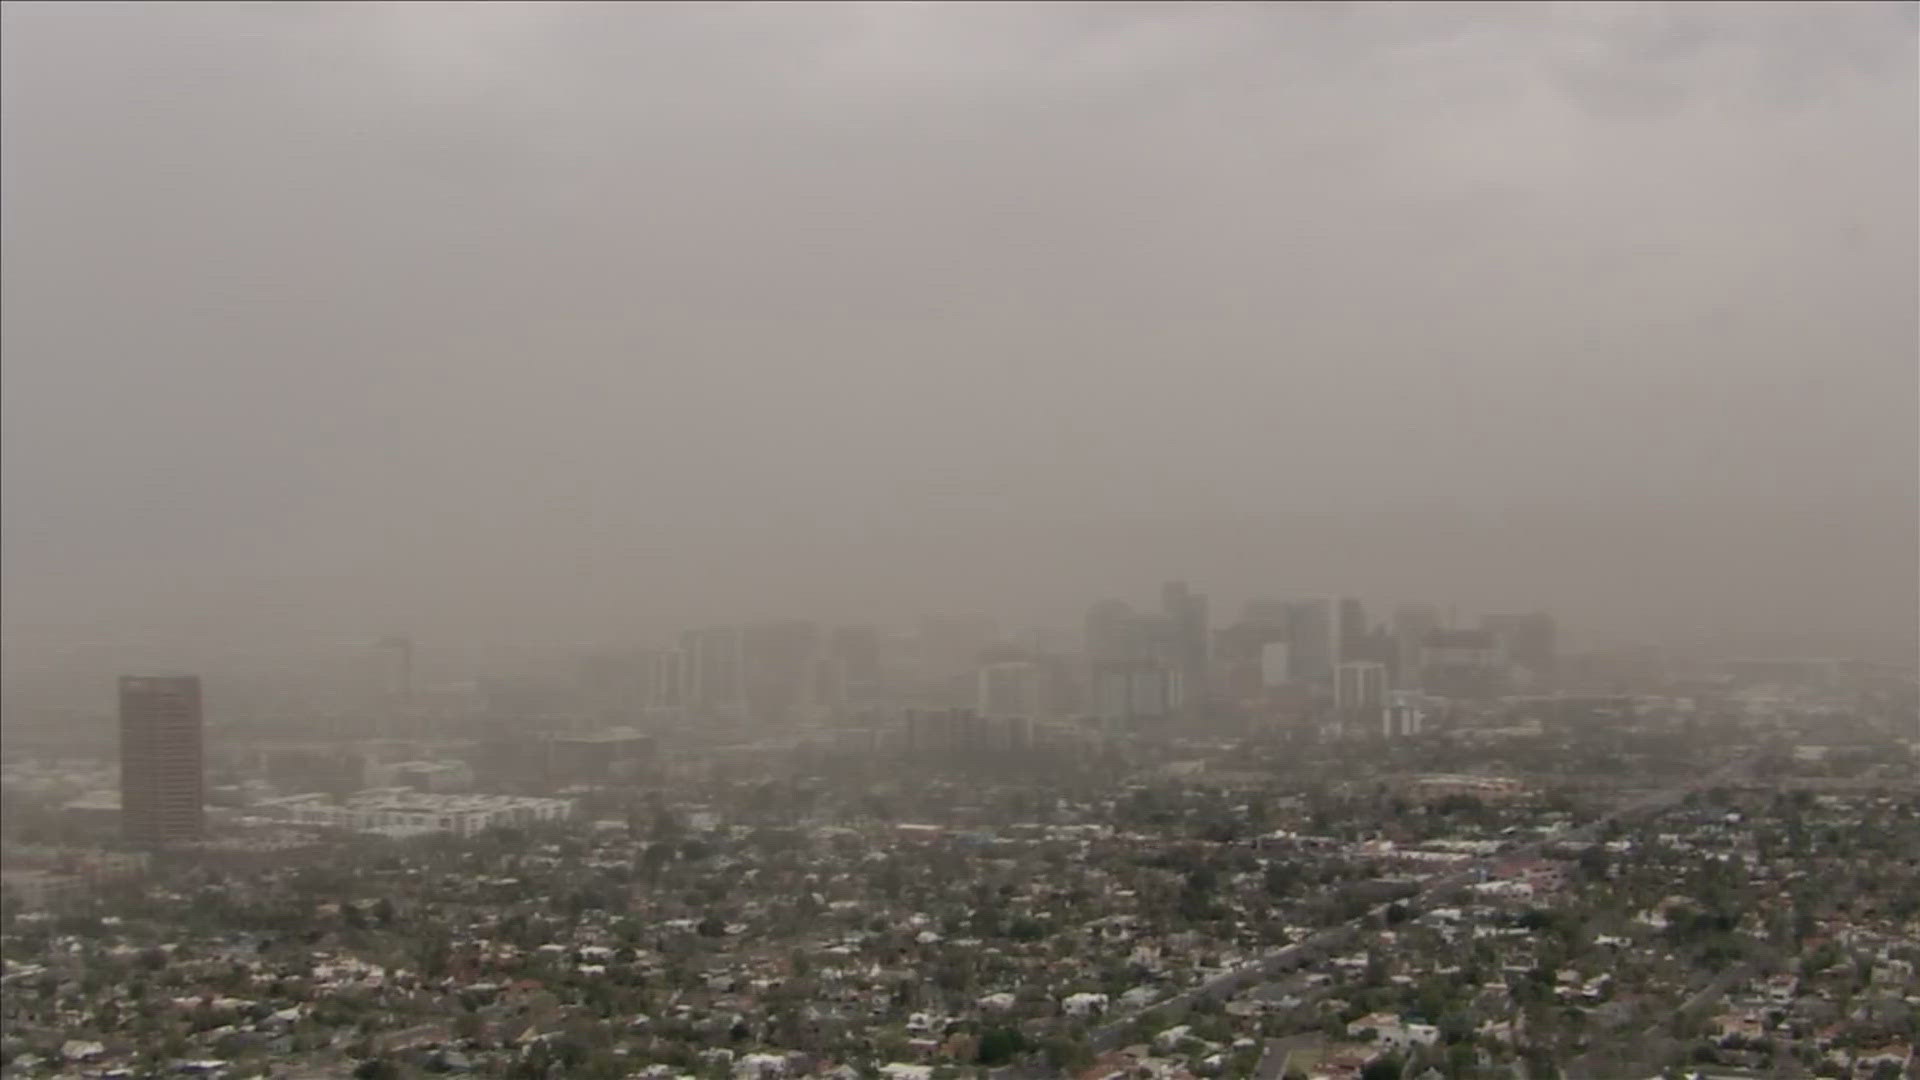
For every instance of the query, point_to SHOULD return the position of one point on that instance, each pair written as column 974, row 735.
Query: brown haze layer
column 549, row 324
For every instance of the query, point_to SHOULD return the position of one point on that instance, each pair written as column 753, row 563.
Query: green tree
column 999, row 1046
column 1385, row 1067
column 1065, row 1055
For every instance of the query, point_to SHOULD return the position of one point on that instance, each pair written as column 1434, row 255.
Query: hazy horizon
column 538, row 325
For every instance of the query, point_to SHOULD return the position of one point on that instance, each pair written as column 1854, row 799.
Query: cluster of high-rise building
column 1313, row 656
column 1325, row 647
column 1136, row 665
column 1148, row 665
column 769, row 671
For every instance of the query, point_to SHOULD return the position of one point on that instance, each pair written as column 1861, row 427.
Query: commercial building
column 41, row 890
column 1460, row 648
column 1012, row 688
column 1238, row 659
column 778, row 667
column 1351, row 633
column 1460, row 662
column 1529, row 642
column 401, row 812
column 431, row 776
column 163, row 783
column 715, row 671
column 1116, row 635
column 1411, row 625
column 1361, row 686
column 1138, row 664
column 1313, row 637
column 618, row 753
column 40, row 877
column 667, row 681
column 1188, row 634
column 1140, row 691
column 962, row 733
column 1484, row 788
column 1401, row 716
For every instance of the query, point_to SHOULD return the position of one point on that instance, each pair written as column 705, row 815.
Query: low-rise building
column 406, row 812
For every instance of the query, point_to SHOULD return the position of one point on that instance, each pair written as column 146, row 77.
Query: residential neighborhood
column 1633, row 891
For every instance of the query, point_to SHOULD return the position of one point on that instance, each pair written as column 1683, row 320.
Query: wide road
column 1228, row 984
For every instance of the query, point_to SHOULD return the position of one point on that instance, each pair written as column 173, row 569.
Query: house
column 1780, row 989
column 82, row 1050
column 1337, row 1062
column 1084, row 1004
column 1392, row 1033
column 1739, row 1026
column 1500, row 1031
column 1170, row 1040
column 1866, row 1062
column 760, row 1067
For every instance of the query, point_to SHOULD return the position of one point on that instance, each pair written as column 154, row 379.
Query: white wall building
column 1360, row 685
column 1402, row 716
column 406, row 812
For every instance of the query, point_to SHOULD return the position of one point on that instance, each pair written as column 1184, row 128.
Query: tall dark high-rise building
column 1115, row 635
column 667, row 680
column 163, row 782
column 1354, row 642
column 1313, row 638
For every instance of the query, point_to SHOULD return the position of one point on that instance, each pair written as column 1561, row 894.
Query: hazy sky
column 557, row 323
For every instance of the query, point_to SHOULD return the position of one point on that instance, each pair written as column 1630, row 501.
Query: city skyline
column 886, row 540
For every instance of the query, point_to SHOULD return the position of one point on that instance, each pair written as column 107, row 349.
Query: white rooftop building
column 407, row 812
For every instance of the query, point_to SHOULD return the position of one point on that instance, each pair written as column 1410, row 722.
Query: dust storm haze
column 555, row 324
